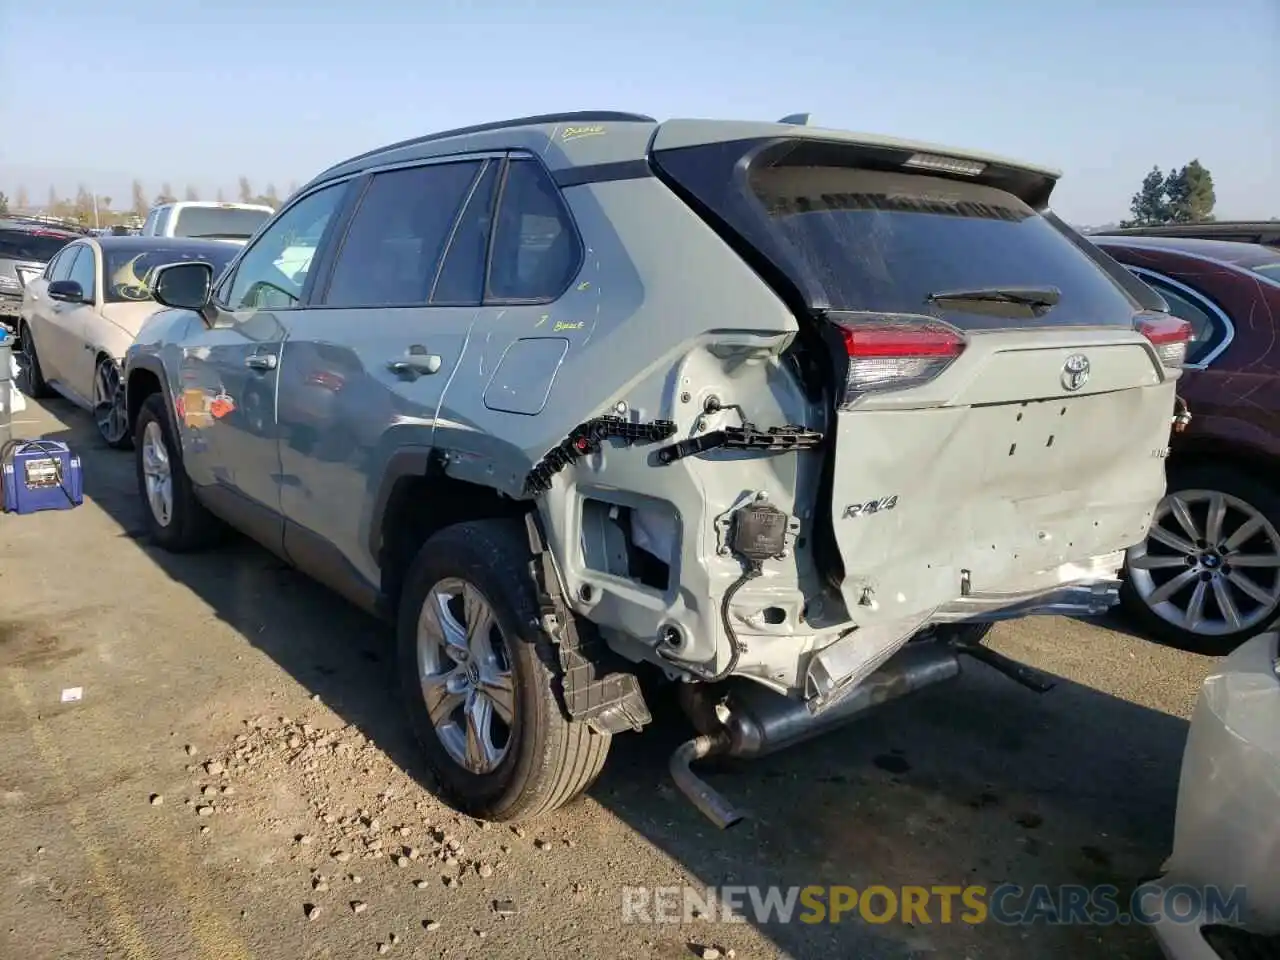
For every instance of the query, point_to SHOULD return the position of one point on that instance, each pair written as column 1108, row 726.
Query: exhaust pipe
column 700, row 793
column 754, row 721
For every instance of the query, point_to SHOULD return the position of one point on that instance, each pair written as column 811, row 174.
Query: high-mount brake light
column 1169, row 335
column 895, row 352
column 932, row 161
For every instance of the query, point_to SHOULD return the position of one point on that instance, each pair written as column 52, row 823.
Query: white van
column 206, row 219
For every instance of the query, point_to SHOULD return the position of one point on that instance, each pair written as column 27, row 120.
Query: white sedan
column 80, row 316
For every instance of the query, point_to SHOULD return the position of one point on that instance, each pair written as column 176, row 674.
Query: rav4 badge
column 871, row 506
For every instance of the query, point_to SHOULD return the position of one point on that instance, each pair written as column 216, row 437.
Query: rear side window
column 461, row 277
column 882, row 241
column 393, row 248
column 535, row 252
column 1208, row 328
column 33, row 245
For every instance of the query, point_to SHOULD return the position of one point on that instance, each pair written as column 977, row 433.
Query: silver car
column 784, row 415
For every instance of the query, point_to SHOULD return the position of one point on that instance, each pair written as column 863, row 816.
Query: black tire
column 549, row 760
column 37, row 387
column 1221, row 478
column 190, row 526
column 125, row 440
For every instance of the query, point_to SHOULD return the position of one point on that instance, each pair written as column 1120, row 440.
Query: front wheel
column 1207, row 577
column 109, row 411
column 479, row 678
column 176, row 520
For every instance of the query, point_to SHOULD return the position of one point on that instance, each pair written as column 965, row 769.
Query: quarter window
column 392, row 252
column 84, row 271
column 272, row 272
column 535, row 246
column 1207, row 329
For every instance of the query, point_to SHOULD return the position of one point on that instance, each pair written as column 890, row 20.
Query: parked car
column 868, row 416
column 1208, row 574
column 80, row 314
column 26, row 246
column 1226, row 838
column 1241, row 231
column 206, row 219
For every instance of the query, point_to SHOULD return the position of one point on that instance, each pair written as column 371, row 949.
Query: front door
column 62, row 349
column 364, row 371
column 230, row 372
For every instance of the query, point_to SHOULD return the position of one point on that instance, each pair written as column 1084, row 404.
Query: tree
column 190, row 193
column 246, row 191
column 220, row 196
column 1180, row 196
column 82, row 208
column 293, row 187
column 24, row 201
column 1148, row 205
column 165, row 195
column 140, row 205
column 1190, row 193
column 4, row 203
column 54, row 201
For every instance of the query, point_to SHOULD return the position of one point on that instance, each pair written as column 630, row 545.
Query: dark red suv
column 1208, row 575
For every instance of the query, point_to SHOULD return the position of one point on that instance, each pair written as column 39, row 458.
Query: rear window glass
column 881, row 241
column 36, row 246
column 219, row 222
column 128, row 272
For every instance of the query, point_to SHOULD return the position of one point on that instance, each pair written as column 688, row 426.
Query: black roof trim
column 579, row 116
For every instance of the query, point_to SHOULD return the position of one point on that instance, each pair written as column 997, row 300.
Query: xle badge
column 1075, row 371
column 871, row 506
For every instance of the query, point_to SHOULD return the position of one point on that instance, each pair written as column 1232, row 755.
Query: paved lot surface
column 256, row 706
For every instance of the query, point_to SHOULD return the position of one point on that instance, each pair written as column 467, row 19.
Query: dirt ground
column 236, row 781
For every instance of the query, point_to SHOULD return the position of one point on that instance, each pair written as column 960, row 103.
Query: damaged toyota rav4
column 785, row 416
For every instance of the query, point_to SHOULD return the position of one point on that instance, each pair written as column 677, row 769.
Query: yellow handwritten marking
column 577, row 133
column 584, row 285
column 561, row 325
column 214, row 940
column 542, row 319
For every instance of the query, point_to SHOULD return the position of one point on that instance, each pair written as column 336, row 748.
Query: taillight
column 895, row 352
column 1169, row 335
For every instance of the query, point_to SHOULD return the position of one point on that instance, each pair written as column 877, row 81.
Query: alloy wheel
column 157, row 474
column 1210, row 564
column 109, row 403
column 465, row 674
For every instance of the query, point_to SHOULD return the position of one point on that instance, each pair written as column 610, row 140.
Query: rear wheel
column 478, row 677
column 109, row 411
column 37, row 387
column 1208, row 575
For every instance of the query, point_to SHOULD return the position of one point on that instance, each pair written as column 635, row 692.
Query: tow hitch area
column 744, row 720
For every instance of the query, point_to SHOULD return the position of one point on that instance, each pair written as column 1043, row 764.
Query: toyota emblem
column 1075, row 371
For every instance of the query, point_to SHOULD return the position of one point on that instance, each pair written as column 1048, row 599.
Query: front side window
column 392, row 251
column 273, row 270
column 535, row 246
column 84, row 271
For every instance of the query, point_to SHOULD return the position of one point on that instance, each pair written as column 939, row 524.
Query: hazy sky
column 201, row 91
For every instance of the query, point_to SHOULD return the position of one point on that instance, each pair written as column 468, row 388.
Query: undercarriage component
column 586, row 439
column 1020, row 673
column 700, row 793
column 752, row 721
column 607, row 700
column 745, row 437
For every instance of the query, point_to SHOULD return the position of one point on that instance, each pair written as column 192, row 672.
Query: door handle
column 415, row 364
column 260, row 361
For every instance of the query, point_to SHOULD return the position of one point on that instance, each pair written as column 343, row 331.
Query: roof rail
column 799, row 119
column 580, row 116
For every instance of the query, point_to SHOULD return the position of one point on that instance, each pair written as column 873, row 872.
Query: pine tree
column 190, row 193
column 246, row 191
column 1190, row 192
column 1149, row 205
column 140, row 204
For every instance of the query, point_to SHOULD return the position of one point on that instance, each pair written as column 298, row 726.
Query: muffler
column 744, row 719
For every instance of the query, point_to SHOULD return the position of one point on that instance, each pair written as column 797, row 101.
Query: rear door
column 999, row 412
column 376, row 348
